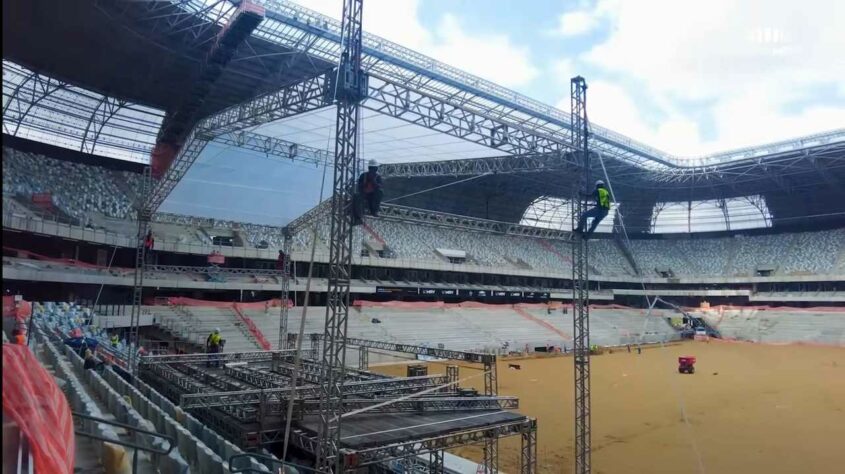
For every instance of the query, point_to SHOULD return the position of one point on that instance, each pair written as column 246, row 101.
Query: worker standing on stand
column 598, row 213
column 212, row 346
column 369, row 193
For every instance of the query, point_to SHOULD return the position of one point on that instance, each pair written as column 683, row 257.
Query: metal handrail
column 164, row 452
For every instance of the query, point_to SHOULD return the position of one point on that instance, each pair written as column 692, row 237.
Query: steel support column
column 144, row 217
column 285, row 310
column 580, row 283
column 491, row 455
column 528, row 453
column 452, row 377
column 363, row 358
column 435, row 462
column 349, row 90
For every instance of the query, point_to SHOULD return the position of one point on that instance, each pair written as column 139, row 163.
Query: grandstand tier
column 95, row 197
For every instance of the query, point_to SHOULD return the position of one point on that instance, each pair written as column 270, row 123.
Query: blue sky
column 687, row 77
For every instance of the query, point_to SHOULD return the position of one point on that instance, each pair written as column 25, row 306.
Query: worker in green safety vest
column 213, row 346
column 598, row 213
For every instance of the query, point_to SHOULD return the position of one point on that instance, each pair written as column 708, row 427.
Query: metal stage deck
column 386, row 418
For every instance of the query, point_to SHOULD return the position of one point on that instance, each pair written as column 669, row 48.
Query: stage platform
column 365, row 431
column 246, row 395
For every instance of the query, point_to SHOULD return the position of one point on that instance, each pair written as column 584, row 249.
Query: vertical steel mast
column 580, row 278
column 284, row 312
column 350, row 88
column 144, row 218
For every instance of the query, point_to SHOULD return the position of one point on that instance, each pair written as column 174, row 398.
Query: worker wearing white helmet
column 597, row 213
column 369, row 192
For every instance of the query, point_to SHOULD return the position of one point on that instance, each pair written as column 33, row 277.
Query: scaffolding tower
column 580, row 280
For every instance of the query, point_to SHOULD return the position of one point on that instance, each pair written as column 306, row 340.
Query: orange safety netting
column 810, row 309
column 33, row 400
column 184, row 301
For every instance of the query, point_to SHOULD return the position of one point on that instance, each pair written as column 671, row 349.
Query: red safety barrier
column 9, row 306
column 253, row 329
column 65, row 261
column 33, row 400
column 184, row 301
column 398, row 304
column 519, row 309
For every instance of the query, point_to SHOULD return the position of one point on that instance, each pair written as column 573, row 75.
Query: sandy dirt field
column 750, row 409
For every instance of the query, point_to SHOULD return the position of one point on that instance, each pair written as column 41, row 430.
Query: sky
column 687, row 77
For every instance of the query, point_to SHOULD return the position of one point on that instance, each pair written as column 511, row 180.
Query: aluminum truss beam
column 477, row 166
column 475, row 357
column 424, row 404
column 424, row 446
column 293, row 99
column 195, row 143
column 223, row 357
column 301, row 223
column 580, row 286
column 310, row 94
column 311, row 372
column 435, row 218
column 279, row 395
column 423, row 216
column 216, row 271
column 276, row 147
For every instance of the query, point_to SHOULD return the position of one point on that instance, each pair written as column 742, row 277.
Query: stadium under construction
column 165, row 85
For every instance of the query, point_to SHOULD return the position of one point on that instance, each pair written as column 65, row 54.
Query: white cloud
column 576, row 23
column 490, row 56
column 745, row 61
column 563, row 70
column 481, row 54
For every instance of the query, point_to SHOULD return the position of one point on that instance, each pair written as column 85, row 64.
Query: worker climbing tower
column 580, row 279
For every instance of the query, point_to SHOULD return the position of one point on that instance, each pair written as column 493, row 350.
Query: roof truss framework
column 55, row 112
column 417, row 89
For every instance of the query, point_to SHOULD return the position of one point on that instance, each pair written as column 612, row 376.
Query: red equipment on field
column 686, row 365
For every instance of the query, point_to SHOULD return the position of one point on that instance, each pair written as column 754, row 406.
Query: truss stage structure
column 244, row 397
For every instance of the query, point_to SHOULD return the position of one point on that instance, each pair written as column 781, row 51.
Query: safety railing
column 132, row 430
